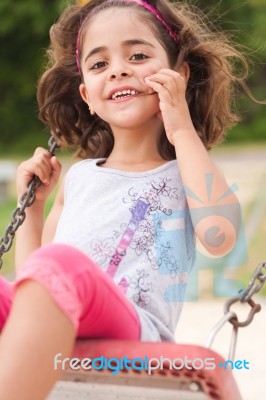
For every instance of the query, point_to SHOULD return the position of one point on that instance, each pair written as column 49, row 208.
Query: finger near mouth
column 147, row 93
column 135, row 95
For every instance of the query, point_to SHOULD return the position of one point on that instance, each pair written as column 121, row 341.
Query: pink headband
column 141, row 3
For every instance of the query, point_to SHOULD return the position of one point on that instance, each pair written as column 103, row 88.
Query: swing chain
column 244, row 296
column 255, row 285
column 18, row 216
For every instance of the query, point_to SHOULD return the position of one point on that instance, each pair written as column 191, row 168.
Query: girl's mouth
column 119, row 95
column 123, row 94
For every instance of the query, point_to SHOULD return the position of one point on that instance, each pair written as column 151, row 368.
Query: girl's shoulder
column 80, row 165
column 93, row 166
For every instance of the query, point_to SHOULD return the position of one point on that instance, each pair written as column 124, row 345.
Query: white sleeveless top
column 136, row 226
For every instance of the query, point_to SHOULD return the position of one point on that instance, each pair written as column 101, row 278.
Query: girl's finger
column 42, row 156
column 163, row 92
column 168, row 72
column 170, row 79
column 157, row 87
column 160, row 78
column 56, row 169
column 43, row 172
column 40, row 151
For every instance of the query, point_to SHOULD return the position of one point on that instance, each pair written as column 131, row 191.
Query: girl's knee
column 62, row 257
column 54, row 267
column 58, row 265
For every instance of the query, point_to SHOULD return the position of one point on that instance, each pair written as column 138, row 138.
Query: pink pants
column 97, row 307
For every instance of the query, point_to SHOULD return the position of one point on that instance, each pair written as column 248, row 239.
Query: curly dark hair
column 216, row 69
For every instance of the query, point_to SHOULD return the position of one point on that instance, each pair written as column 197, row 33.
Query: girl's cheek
column 151, row 70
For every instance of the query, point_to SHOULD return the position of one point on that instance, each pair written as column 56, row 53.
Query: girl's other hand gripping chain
column 43, row 165
column 174, row 112
column 47, row 168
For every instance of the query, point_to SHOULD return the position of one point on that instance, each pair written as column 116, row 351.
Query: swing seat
column 166, row 383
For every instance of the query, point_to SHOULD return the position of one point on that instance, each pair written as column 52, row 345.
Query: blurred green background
column 24, row 36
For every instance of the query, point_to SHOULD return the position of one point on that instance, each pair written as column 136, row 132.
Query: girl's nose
column 119, row 72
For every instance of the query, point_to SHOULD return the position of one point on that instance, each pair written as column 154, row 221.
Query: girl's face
column 119, row 51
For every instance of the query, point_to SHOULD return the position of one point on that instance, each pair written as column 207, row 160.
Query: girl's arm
column 53, row 217
column 48, row 169
column 214, row 208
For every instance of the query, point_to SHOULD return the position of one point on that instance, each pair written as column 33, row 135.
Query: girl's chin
column 131, row 120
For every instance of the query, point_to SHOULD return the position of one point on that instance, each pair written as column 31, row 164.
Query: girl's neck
column 134, row 151
column 133, row 167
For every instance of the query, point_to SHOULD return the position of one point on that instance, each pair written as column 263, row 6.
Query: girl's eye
column 139, row 56
column 98, row 65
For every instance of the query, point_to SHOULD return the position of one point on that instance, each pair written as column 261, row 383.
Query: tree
column 24, row 34
column 246, row 24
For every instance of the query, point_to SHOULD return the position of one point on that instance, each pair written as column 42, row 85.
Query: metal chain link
column 254, row 287
column 244, row 296
column 18, row 216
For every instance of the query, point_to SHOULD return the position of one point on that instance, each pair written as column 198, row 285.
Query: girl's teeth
column 124, row 93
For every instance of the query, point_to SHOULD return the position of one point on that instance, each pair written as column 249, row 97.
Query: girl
column 143, row 90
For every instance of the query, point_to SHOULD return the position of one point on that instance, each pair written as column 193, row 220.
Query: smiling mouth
column 129, row 93
column 123, row 94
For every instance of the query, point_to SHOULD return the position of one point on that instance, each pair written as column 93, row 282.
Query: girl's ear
column 85, row 96
column 184, row 70
column 84, row 93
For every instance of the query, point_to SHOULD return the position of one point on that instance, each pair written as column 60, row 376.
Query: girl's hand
column 174, row 112
column 46, row 167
